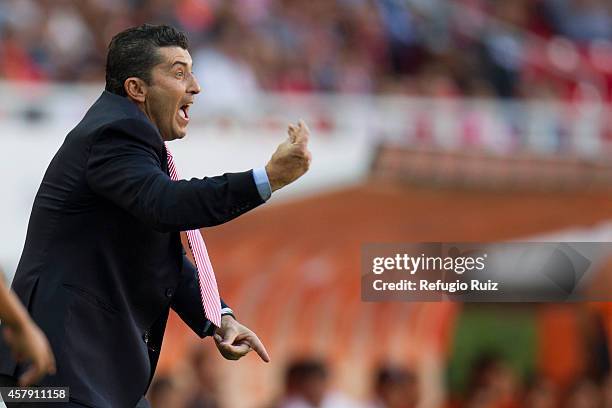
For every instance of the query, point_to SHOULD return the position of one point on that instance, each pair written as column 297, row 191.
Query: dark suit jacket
column 103, row 262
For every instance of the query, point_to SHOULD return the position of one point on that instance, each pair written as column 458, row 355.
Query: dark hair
column 391, row 375
column 133, row 53
column 303, row 370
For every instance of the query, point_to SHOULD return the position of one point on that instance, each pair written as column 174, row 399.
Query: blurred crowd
column 306, row 384
column 442, row 48
column 493, row 384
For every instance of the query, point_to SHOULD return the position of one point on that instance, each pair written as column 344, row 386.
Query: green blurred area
column 504, row 331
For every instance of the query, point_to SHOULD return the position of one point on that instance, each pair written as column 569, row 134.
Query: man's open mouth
column 184, row 111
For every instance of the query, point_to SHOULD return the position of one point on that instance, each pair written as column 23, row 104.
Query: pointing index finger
column 259, row 348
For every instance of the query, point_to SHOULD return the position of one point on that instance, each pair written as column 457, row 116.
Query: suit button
column 145, row 337
column 169, row 292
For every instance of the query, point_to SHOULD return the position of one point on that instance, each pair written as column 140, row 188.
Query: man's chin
column 174, row 136
column 179, row 134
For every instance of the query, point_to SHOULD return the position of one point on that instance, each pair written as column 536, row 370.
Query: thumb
column 229, row 336
column 228, row 341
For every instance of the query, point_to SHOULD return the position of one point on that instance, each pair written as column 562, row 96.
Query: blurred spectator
column 584, row 394
column 582, row 20
column 493, row 384
column 395, row 388
column 164, row 393
column 306, row 386
column 205, row 388
column 221, row 65
column 607, row 392
column 542, row 393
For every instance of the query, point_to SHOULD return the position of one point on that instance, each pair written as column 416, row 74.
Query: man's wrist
column 226, row 311
column 274, row 184
column 209, row 328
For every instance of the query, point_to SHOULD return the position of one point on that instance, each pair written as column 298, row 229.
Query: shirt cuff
column 263, row 184
column 227, row 311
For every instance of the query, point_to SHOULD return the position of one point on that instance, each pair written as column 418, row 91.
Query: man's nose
column 194, row 86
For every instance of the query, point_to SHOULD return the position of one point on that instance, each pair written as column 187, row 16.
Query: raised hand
column 291, row 159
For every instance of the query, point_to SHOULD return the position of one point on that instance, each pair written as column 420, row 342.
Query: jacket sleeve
column 124, row 166
column 187, row 301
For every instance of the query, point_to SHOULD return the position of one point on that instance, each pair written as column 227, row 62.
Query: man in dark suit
column 103, row 261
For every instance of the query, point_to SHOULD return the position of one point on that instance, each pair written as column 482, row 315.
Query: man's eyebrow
column 179, row 63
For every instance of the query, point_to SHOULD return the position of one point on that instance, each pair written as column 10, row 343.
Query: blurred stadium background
column 432, row 120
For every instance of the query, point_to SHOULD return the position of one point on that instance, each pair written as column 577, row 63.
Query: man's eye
column 180, row 74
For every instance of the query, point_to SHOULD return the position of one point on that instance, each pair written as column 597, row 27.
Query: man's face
column 171, row 92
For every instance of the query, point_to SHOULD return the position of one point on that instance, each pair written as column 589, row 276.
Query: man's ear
column 136, row 89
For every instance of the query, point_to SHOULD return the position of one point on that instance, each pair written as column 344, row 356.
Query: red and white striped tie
column 206, row 275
